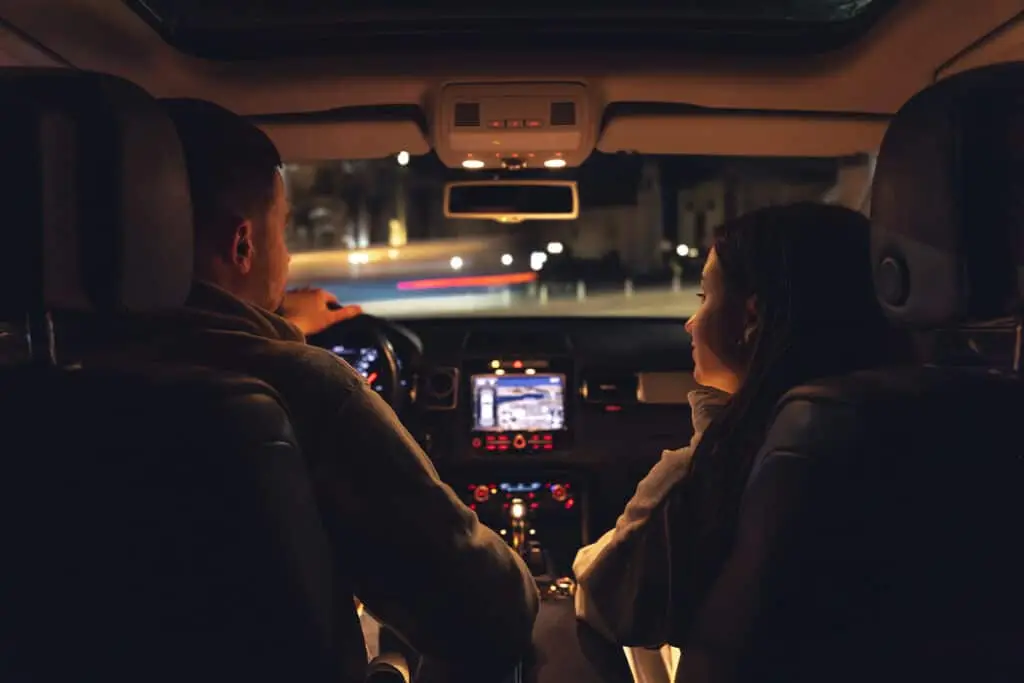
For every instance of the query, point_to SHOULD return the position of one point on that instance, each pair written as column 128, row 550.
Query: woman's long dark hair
column 808, row 268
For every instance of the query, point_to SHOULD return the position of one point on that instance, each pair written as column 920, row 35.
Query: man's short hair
column 232, row 165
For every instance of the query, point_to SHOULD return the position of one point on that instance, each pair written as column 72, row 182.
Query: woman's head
column 787, row 298
column 781, row 278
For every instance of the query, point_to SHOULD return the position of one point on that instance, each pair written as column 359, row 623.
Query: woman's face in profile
column 717, row 330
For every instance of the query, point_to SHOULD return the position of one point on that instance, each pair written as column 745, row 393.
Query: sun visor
column 314, row 141
column 769, row 135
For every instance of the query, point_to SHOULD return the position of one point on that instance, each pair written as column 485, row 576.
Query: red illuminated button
column 559, row 493
column 476, row 442
column 534, row 123
column 513, row 123
column 481, row 494
column 495, row 124
column 519, row 442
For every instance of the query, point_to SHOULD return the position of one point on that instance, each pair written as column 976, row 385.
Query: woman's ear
column 751, row 320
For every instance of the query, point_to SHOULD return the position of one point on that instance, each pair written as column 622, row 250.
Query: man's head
column 239, row 201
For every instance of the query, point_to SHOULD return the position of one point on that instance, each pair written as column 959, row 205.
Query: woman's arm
column 624, row 578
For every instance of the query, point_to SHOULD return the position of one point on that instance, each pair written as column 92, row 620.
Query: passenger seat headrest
column 96, row 209
column 948, row 202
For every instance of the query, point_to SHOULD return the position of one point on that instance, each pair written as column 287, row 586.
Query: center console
column 518, row 422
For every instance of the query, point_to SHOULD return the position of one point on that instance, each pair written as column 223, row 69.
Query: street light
column 506, row 259
column 403, row 158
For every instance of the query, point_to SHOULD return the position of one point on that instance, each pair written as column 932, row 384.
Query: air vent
column 438, row 389
column 563, row 113
column 467, row 115
column 505, row 340
column 618, row 389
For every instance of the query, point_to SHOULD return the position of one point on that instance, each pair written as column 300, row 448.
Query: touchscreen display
column 518, row 403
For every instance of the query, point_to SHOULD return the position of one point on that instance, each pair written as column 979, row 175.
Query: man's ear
column 242, row 247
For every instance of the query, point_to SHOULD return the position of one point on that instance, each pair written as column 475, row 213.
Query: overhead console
column 511, row 126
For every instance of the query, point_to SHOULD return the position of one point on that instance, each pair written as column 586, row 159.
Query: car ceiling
column 846, row 91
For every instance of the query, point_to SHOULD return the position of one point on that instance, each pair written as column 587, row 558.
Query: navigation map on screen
column 524, row 403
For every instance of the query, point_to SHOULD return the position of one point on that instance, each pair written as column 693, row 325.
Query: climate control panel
column 529, row 442
column 538, row 497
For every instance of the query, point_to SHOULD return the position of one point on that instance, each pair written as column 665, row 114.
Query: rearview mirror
column 512, row 201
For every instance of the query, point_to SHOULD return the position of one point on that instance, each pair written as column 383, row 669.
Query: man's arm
column 420, row 560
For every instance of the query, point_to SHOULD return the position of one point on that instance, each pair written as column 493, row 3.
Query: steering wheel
column 359, row 334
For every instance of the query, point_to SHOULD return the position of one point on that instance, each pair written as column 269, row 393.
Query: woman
column 786, row 297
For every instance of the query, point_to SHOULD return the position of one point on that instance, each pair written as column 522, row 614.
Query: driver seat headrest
column 948, row 202
column 97, row 206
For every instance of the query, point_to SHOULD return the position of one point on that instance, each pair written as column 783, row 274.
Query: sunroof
column 238, row 29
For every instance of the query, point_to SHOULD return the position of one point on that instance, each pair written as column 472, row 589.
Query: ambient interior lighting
column 554, row 163
column 472, row 163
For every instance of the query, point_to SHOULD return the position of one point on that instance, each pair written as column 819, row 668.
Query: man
column 419, row 559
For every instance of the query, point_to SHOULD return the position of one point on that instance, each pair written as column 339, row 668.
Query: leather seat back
column 900, row 557
column 158, row 521
column 879, row 535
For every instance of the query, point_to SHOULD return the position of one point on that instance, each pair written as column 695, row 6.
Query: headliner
column 909, row 47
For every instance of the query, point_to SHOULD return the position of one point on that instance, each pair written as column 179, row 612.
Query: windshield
column 374, row 233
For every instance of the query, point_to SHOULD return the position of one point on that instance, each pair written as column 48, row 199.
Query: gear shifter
column 520, row 527
column 530, row 550
column 534, row 555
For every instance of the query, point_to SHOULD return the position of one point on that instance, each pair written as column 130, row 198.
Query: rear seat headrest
column 96, row 205
column 948, row 202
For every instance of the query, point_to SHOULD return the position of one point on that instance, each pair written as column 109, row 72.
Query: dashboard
column 500, row 401
column 506, row 387
column 367, row 359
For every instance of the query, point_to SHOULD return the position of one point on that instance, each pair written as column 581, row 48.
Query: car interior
column 159, row 521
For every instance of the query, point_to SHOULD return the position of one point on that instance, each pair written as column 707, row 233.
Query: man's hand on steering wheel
column 313, row 310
